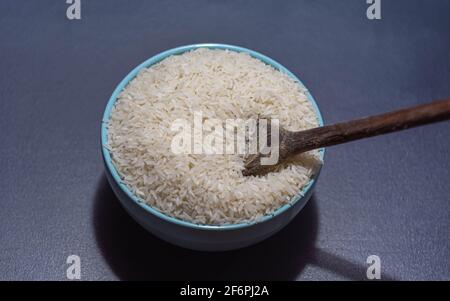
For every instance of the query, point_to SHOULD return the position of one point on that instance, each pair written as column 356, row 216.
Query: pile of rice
column 206, row 189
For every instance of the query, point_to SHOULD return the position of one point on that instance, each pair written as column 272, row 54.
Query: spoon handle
column 338, row 133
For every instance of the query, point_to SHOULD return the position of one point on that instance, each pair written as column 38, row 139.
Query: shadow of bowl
column 135, row 254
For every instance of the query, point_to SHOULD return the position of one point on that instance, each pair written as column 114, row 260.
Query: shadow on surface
column 135, row 254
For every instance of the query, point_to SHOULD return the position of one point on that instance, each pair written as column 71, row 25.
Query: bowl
column 197, row 236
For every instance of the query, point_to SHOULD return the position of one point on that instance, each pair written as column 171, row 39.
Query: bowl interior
column 179, row 50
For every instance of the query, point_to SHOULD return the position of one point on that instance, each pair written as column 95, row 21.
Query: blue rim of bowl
column 179, row 50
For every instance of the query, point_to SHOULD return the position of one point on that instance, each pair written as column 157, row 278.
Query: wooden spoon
column 293, row 143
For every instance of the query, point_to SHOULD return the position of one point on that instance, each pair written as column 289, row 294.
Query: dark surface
column 387, row 196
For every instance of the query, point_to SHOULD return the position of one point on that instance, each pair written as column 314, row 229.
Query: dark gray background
column 387, row 196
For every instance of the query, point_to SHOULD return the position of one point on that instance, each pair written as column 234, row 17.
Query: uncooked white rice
column 206, row 189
